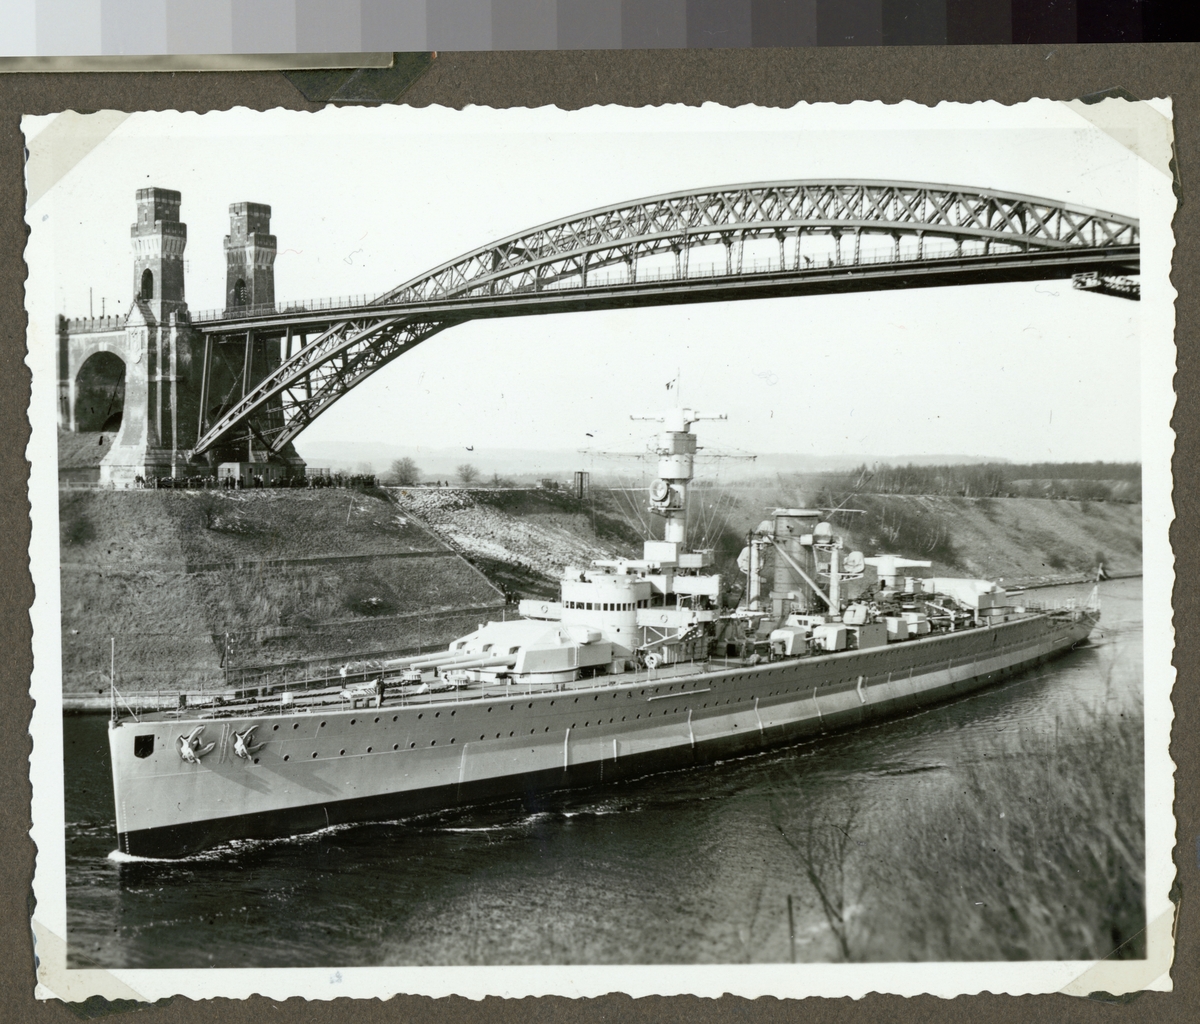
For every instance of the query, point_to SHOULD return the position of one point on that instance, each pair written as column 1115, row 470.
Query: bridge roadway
column 954, row 237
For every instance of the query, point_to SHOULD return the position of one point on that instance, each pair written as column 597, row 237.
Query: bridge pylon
column 147, row 382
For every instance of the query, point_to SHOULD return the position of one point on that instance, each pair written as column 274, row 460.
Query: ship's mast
column 676, row 450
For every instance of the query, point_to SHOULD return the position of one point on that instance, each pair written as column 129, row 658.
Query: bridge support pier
column 149, row 377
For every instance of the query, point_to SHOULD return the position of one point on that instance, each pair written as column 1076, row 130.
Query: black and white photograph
column 660, row 550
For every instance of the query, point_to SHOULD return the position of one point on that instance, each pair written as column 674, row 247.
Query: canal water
column 687, row 867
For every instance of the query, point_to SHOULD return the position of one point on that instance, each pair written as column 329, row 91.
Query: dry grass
column 305, row 596
column 221, row 525
column 128, row 552
column 1053, row 870
column 1034, row 850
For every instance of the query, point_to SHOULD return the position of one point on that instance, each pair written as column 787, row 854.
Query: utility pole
column 792, row 927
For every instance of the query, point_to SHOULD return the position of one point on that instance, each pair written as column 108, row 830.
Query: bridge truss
column 736, row 242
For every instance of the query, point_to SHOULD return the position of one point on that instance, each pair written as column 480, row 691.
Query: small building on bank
column 269, row 473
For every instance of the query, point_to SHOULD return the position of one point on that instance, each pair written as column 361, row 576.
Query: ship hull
column 340, row 766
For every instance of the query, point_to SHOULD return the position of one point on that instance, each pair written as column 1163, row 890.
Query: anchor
column 189, row 746
column 242, row 743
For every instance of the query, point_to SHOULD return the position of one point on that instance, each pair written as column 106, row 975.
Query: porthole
column 531, row 705
column 547, row 729
column 437, row 714
column 256, row 760
column 368, row 750
column 489, row 710
column 586, row 724
column 532, row 731
column 342, row 753
column 274, row 728
column 295, row 725
column 322, row 725
column 510, row 734
column 411, row 745
column 314, row 753
column 395, row 746
column 512, row 707
column 395, row 718
column 354, row 721
column 453, row 713
column 481, row 735
column 497, row 735
column 452, row 739
column 433, row 743
column 421, row 715
column 376, row 719
column 287, row 757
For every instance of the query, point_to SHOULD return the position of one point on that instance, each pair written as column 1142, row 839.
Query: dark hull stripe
column 192, row 837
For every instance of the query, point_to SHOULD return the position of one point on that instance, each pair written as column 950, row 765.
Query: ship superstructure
column 642, row 664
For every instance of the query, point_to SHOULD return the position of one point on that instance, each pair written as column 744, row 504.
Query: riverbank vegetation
column 1074, row 481
column 1032, row 849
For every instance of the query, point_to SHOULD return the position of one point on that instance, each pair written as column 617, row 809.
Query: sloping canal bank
column 193, row 588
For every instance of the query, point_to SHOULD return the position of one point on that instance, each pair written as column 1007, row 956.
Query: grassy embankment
column 523, row 539
column 288, row 574
column 1025, row 541
column 1035, row 852
column 303, row 575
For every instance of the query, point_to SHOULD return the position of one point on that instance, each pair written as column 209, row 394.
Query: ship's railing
column 1068, row 604
column 328, row 684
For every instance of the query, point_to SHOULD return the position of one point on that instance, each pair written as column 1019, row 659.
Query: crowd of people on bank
column 232, row 483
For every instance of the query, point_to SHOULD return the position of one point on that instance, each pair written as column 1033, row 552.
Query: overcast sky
column 364, row 199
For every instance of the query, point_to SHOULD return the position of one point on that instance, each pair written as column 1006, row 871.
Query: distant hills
column 525, row 463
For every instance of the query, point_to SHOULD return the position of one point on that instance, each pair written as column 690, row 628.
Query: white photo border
column 1143, row 127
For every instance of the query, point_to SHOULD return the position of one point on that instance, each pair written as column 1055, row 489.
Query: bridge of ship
column 711, row 245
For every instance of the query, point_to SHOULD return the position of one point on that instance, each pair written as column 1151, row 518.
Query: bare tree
column 499, row 481
column 405, row 473
column 467, row 473
column 824, row 849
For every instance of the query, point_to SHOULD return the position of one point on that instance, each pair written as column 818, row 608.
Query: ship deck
column 435, row 692
column 396, row 694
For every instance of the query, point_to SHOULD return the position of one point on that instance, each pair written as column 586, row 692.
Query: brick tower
column 158, row 243
column 150, row 381
column 249, row 257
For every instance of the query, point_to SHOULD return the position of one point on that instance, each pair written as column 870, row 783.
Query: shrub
column 405, row 473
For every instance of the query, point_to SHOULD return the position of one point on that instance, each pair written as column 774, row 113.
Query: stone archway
column 100, row 393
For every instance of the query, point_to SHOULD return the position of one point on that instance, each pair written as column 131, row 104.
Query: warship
column 642, row 665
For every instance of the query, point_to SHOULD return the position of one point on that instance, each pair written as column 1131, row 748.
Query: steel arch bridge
column 733, row 242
